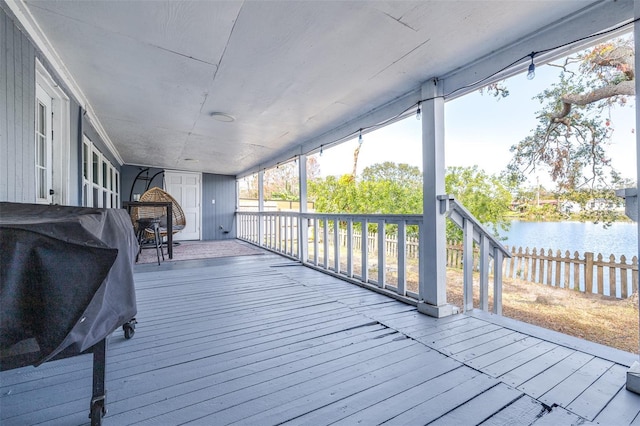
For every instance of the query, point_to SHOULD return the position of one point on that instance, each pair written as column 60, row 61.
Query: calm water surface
column 618, row 239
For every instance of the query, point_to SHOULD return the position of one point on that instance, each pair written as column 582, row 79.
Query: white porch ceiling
column 288, row 71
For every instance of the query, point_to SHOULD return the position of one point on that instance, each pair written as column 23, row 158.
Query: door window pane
column 105, row 176
column 85, row 161
column 41, row 151
column 96, row 168
column 96, row 199
column 42, row 182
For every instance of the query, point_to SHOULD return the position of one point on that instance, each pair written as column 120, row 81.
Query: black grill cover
column 66, row 279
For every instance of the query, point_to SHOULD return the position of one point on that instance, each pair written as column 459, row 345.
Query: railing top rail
column 390, row 218
column 454, row 207
column 455, row 210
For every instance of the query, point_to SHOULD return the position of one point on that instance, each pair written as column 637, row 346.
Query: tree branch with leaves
column 574, row 129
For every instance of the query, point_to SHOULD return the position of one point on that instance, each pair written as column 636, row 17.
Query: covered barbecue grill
column 66, row 283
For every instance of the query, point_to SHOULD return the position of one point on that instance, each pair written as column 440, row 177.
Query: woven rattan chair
column 156, row 194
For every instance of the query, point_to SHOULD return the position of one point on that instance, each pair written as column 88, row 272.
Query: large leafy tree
column 384, row 188
column 485, row 196
column 334, row 194
column 281, row 182
column 574, row 127
column 390, row 188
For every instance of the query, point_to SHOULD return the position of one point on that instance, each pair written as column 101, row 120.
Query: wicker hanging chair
column 156, row 194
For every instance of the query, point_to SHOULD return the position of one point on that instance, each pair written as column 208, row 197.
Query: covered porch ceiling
column 294, row 75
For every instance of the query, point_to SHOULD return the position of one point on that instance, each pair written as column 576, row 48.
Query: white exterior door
column 186, row 189
column 52, row 142
column 44, row 147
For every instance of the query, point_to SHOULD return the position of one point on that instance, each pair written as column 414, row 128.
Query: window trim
column 105, row 191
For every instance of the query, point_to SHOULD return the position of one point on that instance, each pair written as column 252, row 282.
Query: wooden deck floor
column 260, row 340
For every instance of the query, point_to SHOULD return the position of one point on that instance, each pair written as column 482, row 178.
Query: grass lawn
column 609, row 321
column 601, row 319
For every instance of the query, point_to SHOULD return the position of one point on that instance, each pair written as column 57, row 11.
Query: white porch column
column 303, row 227
column 633, row 375
column 260, row 207
column 433, row 250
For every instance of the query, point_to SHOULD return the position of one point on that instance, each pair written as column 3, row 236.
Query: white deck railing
column 332, row 246
column 474, row 232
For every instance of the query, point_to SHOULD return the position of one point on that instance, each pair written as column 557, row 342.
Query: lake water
column 618, row 239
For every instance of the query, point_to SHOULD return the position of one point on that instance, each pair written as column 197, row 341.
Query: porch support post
column 261, row 217
column 633, row 375
column 433, row 285
column 303, row 223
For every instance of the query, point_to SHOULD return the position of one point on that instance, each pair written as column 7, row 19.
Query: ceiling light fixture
column 221, row 116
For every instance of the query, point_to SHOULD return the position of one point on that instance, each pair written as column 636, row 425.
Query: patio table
column 169, row 209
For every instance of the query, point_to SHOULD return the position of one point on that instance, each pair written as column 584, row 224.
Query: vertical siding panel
column 207, row 209
column 222, row 189
column 20, row 123
column 4, row 139
column 75, row 159
column 28, row 116
column 17, row 97
column 11, row 106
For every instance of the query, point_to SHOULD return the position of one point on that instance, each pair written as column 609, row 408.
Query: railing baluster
column 497, row 281
column 291, row 239
column 315, row 240
column 295, row 243
column 381, row 254
column 364, row 253
column 280, row 234
column 303, row 238
column 288, row 228
column 285, row 232
column 484, row 273
column 272, row 231
column 288, row 244
column 325, row 260
column 350, row 248
column 336, row 245
column 467, row 265
column 402, row 258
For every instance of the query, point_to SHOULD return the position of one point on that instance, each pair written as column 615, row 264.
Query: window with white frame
column 100, row 180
